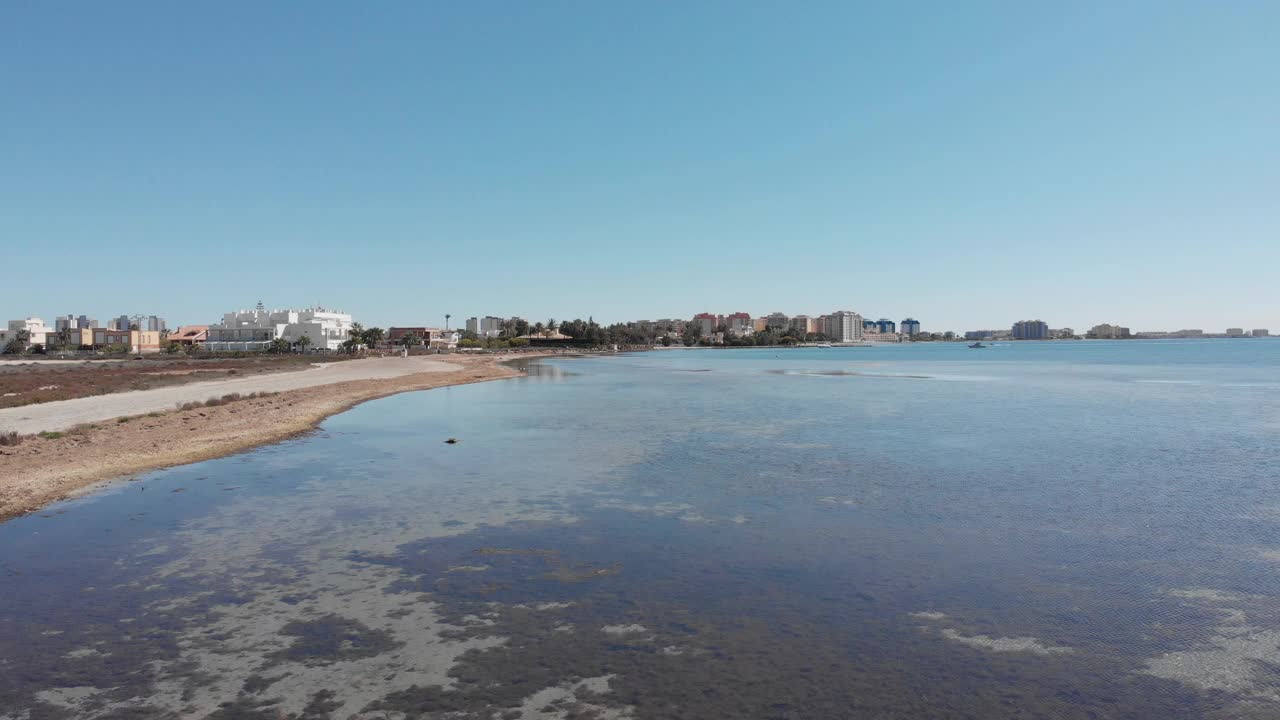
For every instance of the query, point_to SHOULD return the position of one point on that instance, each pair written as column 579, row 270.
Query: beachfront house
column 189, row 335
column 255, row 330
column 430, row 337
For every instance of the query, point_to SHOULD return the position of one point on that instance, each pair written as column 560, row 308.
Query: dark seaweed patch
column 320, row 707
column 246, row 709
column 332, row 638
column 256, row 683
column 743, row 634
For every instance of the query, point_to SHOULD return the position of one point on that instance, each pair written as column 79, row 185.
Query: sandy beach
column 99, row 445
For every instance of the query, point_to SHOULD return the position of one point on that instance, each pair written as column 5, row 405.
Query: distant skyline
column 968, row 165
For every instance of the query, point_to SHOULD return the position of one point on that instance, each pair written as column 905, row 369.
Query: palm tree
column 18, row 343
column 373, row 336
column 304, row 342
column 356, row 336
column 64, row 338
column 551, row 325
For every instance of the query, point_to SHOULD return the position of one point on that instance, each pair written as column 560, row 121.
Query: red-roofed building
column 189, row 335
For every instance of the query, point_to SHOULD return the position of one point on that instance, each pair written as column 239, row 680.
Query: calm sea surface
column 1034, row 530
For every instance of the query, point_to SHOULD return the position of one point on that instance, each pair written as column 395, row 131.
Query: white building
column 843, row 326
column 438, row 339
column 256, row 329
column 39, row 332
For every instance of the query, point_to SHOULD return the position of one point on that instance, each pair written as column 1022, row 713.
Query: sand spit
column 40, row 470
column 65, row 414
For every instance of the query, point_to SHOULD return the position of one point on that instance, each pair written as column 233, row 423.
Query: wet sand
column 43, row 470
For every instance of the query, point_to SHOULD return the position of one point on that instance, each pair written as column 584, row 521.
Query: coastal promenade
column 65, row 414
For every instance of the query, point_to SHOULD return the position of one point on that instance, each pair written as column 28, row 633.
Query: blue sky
column 968, row 164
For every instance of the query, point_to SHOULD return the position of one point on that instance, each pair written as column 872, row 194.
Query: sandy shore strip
column 42, row 470
column 65, row 414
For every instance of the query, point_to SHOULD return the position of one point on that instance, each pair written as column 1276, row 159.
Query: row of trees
column 590, row 332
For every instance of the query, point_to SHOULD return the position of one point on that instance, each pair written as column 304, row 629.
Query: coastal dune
column 117, row 435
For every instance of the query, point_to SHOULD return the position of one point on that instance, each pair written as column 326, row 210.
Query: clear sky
column 966, row 163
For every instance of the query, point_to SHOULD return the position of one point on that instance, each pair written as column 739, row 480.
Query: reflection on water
column 814, row 533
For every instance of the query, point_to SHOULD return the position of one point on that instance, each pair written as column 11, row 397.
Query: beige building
column 138, row 341
column 1108, row 332
column 805, row 324
column 843, row 326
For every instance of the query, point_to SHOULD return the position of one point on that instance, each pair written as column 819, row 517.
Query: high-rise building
column 1235, row 332
column 739, row 324
column 84, row 322
column 805, row 324
column 155, row 324
column 886, row 326
column 910, row 327
column 777, row 321
column 1260, row 332
column 706, row 323
column 843, row 326
column 487, row 326
column 121, row 323
column 1031, row 330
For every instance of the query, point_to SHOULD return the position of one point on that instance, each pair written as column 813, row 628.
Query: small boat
column 978, row 345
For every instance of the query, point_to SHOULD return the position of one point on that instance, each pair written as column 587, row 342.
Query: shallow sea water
column 1038, row 530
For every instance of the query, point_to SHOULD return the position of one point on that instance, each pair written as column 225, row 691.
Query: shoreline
column 43, row 470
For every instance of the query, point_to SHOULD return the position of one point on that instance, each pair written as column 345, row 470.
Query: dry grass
column 28, row 384
column 225, row 399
